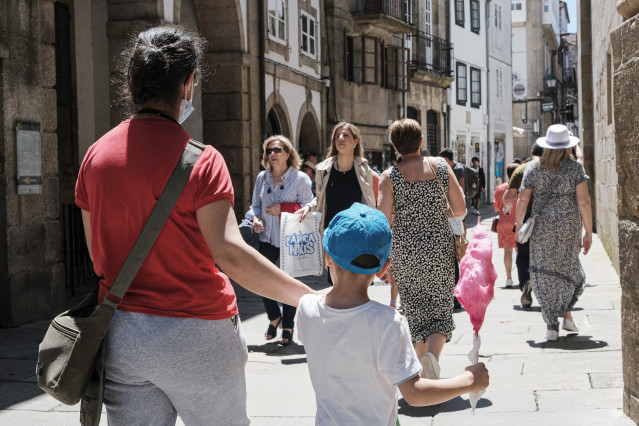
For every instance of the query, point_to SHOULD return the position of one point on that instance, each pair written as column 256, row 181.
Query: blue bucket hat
column 356, row 231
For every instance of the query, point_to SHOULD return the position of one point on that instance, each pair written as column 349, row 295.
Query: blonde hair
column 406, row 135
column 293, row 159
column 358, row 151
column 551, row 158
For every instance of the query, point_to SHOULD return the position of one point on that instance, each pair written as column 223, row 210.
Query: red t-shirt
column 120, row 180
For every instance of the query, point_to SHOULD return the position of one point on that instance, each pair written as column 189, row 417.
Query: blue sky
column 572, row 13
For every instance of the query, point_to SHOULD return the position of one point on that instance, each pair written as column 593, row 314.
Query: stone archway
column 308, row 131
column 276, row 105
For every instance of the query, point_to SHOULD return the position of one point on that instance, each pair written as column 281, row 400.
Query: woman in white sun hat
column 555, row 270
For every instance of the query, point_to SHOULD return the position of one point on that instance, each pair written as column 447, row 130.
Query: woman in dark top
column 344, row 177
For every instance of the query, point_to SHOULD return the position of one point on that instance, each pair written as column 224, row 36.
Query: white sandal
column 430, row 366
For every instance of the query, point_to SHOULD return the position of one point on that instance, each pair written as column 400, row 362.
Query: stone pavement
column 576, row 380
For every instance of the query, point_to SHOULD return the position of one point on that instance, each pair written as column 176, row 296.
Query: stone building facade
column 597, row 119
column 294, row 67
column 625, row 72
column 58, row 63
column 381, row 69
column 608, row 58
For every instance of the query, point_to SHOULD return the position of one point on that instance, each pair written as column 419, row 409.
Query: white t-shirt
column 356, row 359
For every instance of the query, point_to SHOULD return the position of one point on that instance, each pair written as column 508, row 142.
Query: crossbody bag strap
column 156, row 221
column 448, row 207
column 553, row 185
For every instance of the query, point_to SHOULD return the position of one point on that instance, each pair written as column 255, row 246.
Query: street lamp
column 551, row 83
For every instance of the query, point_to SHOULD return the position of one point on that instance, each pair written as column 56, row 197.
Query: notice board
column 29, row 153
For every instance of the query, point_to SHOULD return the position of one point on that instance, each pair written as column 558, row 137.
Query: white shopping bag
column 301, row 244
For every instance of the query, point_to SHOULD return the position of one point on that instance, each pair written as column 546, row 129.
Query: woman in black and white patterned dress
column 422, row 255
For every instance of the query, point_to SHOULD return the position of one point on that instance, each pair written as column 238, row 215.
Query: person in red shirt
column 175, row 344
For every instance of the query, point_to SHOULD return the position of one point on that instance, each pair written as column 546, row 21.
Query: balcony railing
column 570, row 76
column 431, row 54
column 402, row 10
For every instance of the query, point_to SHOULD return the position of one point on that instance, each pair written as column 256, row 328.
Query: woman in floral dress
column 555, row 270
column 506, row 226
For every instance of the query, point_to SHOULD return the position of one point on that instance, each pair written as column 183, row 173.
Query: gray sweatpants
column 157, row 367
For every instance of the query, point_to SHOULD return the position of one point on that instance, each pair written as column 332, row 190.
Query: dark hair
column 474, row 159
column 447, row 153
column 406, row 135
column 158, row 61
column 517, row 160
column 536, row 150
column 510, row 169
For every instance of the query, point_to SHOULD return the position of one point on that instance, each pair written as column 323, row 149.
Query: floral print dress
column 423, row 254
column 556, row 274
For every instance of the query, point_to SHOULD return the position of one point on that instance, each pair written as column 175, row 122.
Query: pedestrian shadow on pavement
column 538, row 309
column 455, row 404
column 250, row 304
column 273, row 349
column 571, row 342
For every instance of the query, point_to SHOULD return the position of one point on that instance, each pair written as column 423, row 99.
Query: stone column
column 230, row 92
column 586, row 102
column 31, row 269
column 124, row 18
column 625, row 55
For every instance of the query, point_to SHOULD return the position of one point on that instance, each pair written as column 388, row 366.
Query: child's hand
column 480, row 377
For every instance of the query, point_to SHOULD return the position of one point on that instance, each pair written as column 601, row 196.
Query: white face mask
column 186, row 108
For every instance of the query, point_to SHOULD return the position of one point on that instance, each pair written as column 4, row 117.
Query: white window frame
column 275, row 22
column 310, row 36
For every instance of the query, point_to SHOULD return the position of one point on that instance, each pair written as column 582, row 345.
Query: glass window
column 462, row 84
column 353, row 59
column 277, row 20
column 475, row 20
column 370, row 60
column 459, row 13
column 308, row 34
column 475, row 87
column 403, row 68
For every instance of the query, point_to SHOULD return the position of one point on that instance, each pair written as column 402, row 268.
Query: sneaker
column 552, row 335
column 526, row 295
column 430, row 366
column 509, row 283
column 569, row 325
column 475, row 211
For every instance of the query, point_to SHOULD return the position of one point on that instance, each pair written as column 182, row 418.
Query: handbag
column 301, row 244
column 71, row 348
column 461, row 243
column 493, row 226
column 527, row 228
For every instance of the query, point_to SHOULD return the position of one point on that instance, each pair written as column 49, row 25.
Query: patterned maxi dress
column 556, row 274
column 422, row 254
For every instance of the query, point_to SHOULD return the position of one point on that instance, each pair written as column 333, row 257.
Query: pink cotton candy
column 476, row 286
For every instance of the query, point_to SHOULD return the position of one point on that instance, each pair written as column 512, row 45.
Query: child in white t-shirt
column 359, row 351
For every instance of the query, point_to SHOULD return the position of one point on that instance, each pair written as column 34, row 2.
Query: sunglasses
column 276, row 150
